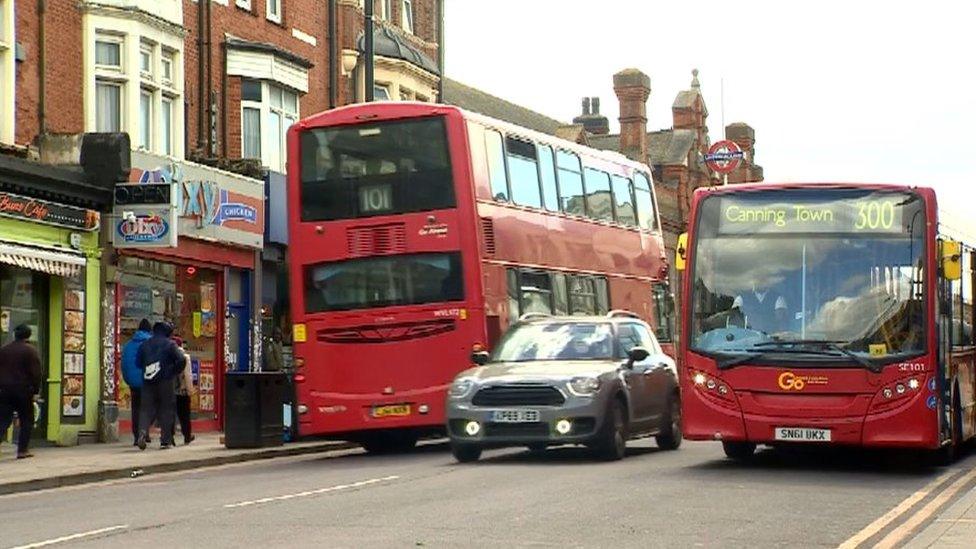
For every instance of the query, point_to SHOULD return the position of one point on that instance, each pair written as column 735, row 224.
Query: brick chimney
column 633, row 87
column 591, row 119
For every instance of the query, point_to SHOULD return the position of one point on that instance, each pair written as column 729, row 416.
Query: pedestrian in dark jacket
column 184, row 393
column 20, row 381
column 132, row 374
column 160, row 361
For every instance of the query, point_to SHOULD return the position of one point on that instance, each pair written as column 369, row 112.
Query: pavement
column 955, row 528
column 692, row 497
column 63, row 466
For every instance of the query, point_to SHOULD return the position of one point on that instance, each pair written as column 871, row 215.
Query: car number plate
column 515, row 416
column 802, row 434
column 391, row 410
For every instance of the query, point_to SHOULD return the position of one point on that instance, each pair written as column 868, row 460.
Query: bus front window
column 837, row 267
column 381, row 168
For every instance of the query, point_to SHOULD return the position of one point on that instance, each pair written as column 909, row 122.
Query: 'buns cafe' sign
column 49, row 213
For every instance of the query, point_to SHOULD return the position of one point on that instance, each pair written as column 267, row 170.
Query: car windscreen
column 556, row 341
column 380, row 168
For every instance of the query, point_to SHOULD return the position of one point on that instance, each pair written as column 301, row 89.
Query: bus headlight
column 584, row 386
column 460, row 388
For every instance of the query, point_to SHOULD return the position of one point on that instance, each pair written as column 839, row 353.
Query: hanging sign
column 723, row 156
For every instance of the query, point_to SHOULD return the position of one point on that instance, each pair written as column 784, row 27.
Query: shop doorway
column 24, row 299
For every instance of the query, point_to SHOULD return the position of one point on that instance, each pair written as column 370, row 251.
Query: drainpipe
column 440, row 50
column 223, row 104
column 212, row 103
column 333, row 56
column 201, row 75
column 368, row 33
column 42, row 69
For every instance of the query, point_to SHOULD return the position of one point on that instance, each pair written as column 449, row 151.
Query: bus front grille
column 373, row 240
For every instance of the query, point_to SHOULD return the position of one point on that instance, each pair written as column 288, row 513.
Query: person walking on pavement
column 160, row 361
column 274, row 356
column 132, row 374
column 20, row 381
column 184, row 389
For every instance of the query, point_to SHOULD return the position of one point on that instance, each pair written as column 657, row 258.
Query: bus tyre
column 612, row 442
column 739, row 451
column 947, row 455
column 670, row 437
column 466, row 453
column 389, row 443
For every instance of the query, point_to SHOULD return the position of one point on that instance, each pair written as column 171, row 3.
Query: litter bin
column 253, row 409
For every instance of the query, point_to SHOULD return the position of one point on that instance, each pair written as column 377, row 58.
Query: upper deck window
column 374, row 169
column 570, row 183
column 646, row 216
column 523, row 166
column 599, row 202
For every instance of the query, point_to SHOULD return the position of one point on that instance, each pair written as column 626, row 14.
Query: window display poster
column 206, row 385
column 73, row 348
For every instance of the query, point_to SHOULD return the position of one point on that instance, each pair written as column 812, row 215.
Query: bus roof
column 387, row 110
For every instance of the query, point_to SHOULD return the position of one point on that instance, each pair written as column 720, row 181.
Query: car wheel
column 389, row 443
column 612, row 445
column 466, row 453
column 739, row 451
column 671, row 435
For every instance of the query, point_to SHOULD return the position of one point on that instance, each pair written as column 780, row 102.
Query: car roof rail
column 622, row 313
column 530, row 316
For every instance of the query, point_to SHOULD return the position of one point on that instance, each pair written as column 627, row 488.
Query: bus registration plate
column 391, row 410
column 515, row 416
column 802, row 434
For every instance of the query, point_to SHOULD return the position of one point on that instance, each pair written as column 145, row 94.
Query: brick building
column 205, row 92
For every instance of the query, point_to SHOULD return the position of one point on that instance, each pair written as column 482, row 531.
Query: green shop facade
column 50, row 272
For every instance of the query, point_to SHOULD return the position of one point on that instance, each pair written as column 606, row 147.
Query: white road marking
column 72, row 537
column 882, row 522
column 311, row 492
column 899, row 534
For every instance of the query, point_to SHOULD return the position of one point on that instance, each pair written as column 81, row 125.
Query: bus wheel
column 466, row 453
column 389, row 443
column 670, row 437
column 948, row 454
column 739, row 451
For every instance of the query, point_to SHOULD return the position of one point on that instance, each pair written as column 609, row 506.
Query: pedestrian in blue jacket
column 132, row 374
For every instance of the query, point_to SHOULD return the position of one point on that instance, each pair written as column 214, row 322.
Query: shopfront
column 49, row 281
column 203, row 286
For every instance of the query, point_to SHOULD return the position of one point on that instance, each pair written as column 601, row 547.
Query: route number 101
column 874, row 215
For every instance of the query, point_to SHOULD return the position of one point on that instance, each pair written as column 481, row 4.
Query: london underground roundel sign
column 723, row 156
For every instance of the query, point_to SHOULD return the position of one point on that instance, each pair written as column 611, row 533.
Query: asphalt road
column 693, row 497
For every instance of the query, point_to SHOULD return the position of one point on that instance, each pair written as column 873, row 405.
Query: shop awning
column 38, row 259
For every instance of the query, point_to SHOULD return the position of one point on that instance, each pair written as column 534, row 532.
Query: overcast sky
column 858, row 91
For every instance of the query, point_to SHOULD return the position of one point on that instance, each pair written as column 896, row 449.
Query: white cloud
column 836, row 91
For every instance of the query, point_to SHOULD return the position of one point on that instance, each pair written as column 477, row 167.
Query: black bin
column 253, row 409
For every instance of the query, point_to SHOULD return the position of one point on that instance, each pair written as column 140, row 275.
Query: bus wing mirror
column 951, row 260
column 681, row 252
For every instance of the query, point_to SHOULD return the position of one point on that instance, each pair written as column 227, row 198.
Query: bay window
column 267, row 111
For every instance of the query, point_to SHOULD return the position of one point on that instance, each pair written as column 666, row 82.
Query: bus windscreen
column 372, row 169
column 806, row 270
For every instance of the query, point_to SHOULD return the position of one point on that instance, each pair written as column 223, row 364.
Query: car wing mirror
column 636, row 354
column 479, row 357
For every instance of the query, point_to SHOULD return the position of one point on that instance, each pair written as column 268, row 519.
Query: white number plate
column 802, row 434
column 515, row 416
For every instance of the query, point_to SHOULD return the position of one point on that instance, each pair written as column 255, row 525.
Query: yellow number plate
column 391, row 410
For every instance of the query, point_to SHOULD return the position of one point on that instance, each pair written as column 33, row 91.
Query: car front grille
column 519, row 395
column 500, row 430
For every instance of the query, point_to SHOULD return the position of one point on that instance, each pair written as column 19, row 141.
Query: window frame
column 243, row 4
column 559, row 184
column 534, row 161
column 146, row 99
column 504, row 167
column 406, row 16
column 586, row 194
column 119, row 105
column 274, row 17
column 119, row 42
column 273, row 151
column 655, row 220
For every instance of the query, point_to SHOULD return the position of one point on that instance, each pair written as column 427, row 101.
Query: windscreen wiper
column 747, row 355
column 825, row 345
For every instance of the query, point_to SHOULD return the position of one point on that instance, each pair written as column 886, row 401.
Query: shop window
column 523, row 169
column 599, row 202
column 570, row 183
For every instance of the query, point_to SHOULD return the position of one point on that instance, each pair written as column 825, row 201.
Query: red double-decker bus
column 830, row 314
column 418, row 232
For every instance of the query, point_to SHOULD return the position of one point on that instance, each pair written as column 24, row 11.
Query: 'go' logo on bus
column 788, row 381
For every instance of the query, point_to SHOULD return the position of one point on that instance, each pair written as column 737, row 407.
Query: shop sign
column 145, row 228
column 211, row 204
column 49, row 213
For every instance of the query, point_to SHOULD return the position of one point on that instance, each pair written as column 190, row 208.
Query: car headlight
column 460, row 388
column 584, row 386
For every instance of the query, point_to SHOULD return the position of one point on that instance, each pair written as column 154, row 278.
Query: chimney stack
column 591, row 119
column 633, row 88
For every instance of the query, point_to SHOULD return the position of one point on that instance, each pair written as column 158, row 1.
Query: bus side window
column 623, row 201
column 547, row 171
column 513, row 295
column 560, row 297
column 962, row 303
column 599, row 202
column 496, row 166
column 582, row 295
column 523, row 167
column 662, row 312
column 602, row 295
column 570, row 183
column 645, row 202
column 536, row 287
